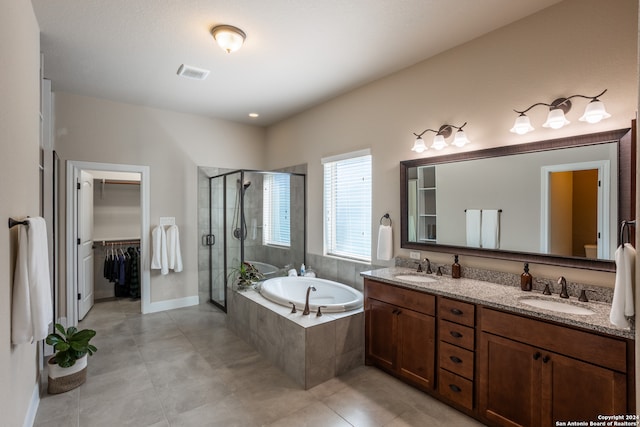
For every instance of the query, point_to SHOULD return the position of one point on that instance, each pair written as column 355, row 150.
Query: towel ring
column 385, row 216
column 624, row 226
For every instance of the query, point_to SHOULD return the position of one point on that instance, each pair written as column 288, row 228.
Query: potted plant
column 68, row 367
column 245, row 276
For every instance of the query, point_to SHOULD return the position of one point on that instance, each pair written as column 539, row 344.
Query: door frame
column 73, row 174
column 604, row 204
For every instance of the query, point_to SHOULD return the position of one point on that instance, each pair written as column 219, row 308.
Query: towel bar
column 13, row 223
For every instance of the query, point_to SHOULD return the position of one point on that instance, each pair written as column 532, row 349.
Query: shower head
column 245, row 184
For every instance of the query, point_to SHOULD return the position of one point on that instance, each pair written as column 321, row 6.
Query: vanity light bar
column 439, row 142
column 593, row 113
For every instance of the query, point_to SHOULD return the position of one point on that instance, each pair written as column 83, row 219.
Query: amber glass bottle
column 455, row 268
column 526, row 279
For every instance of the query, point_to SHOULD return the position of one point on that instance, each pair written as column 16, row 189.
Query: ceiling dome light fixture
column 593, row 113
column 228, row 37
column 439, row 140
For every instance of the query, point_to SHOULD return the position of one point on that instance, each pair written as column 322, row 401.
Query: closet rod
column 118, row 242
column 114, row 181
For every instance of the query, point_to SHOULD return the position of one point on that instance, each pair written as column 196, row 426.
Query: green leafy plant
column 70, row 345
column 245, row 275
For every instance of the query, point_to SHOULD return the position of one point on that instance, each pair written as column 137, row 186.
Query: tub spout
column 306, row 304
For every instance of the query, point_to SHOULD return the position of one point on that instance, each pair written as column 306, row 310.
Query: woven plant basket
column 64, row 379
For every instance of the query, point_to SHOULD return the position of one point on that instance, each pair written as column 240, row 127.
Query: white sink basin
column 557, row 306
column 415, row 278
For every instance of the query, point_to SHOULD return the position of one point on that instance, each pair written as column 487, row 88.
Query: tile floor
column 185, row 368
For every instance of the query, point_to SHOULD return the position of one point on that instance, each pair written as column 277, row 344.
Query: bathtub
column 264, row 268
column 335, row 296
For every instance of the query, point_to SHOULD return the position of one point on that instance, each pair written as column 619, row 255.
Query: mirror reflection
column 559, row 201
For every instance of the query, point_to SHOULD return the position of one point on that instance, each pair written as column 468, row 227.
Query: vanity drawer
column 456, row 311
column 456, row 388
column 401, row 297
column 462, row 336
column 456, row 360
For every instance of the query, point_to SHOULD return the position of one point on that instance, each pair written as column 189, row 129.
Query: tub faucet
column 306, row 304
column 563, row 282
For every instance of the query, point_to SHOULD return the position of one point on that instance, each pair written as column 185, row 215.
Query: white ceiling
column 298, row 53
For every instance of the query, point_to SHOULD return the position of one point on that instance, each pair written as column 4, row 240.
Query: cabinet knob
column 456, row 311
column 455, row 359
column 455, row 334
column 545, row 359
column 455, row 388
column 536, row 355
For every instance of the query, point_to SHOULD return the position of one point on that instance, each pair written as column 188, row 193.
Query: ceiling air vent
column 192, row 72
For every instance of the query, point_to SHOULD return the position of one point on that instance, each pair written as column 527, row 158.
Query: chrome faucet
column 563, row 282
column 306, row 304
column 428, row 270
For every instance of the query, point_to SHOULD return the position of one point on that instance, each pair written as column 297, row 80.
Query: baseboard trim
column 32, row 410
column 171, row 304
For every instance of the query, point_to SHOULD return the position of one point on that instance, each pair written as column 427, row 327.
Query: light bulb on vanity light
column 556, row 119
column 419, row 145
column 594, row 112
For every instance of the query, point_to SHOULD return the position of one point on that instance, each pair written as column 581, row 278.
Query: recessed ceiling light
column 254, row 115
column 192, row 72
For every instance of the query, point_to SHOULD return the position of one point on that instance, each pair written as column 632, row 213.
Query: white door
column 85, row 244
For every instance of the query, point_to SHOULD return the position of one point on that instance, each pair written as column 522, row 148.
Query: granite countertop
column 505, row 298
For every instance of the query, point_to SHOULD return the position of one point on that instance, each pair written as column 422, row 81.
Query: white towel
column 622, row 305
column 159, row 260
column 385, row 242
column 173, row 249
column 473, row 227
column 32, row 307
column 490, row 229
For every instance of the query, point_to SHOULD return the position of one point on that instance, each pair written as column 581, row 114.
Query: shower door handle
column 208, row 239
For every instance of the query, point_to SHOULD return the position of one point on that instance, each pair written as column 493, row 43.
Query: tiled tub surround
column 505, row 298
column 310, row 349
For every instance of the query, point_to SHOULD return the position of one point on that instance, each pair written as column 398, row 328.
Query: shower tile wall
column 343, row 271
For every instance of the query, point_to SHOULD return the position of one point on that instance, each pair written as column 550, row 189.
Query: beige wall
column 19, row 188
column 173, row 145
column 577, row 46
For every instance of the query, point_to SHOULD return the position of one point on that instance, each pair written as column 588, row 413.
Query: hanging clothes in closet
column 122, row 269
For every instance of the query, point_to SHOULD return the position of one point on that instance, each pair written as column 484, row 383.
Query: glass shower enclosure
column 256, row 217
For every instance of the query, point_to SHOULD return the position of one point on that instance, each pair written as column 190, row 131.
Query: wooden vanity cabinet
column 533, row 373
column 504, row 369
column 400, row 332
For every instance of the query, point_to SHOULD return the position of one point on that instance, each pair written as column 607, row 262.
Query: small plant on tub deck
column 246, row 275
column 70, row 345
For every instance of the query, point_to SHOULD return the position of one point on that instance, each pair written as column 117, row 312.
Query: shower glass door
column 216, row 241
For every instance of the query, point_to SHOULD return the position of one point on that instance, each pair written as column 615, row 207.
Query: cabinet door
column 381, row 334
column 416, row 352
column 509, row 381
column 578, row 391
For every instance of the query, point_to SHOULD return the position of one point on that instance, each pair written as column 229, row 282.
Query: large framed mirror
column 557, row 202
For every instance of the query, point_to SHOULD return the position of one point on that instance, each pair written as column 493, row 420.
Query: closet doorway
column 107, row 219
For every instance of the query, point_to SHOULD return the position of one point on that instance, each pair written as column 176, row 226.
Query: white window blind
column 347, row 206
column 276, row 210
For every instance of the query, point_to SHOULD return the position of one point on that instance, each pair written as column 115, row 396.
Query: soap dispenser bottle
column 526, row 279
column 455, row 268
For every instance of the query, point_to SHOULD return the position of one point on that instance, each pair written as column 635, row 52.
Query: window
column 276, row 210
column 347, row 205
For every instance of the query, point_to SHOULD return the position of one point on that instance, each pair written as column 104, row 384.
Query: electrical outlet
column 414, row 255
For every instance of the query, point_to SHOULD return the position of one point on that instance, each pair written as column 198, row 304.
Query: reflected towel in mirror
column 490, row 229
column 473, row 228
